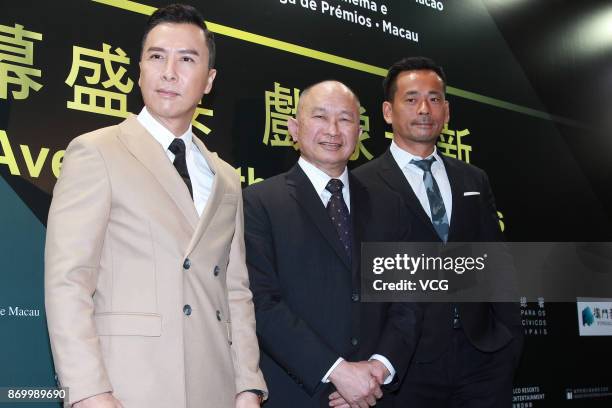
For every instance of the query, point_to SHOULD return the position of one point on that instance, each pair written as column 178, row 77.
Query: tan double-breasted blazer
column 145, row 298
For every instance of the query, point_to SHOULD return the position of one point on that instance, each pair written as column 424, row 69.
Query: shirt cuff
column 387, row 364
column 325, row 378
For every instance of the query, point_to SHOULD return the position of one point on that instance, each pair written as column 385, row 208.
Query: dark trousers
column 462, row 377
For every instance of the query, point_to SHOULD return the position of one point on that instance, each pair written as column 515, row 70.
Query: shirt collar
column 319, row 178
column 403, row 158
column 160, row 133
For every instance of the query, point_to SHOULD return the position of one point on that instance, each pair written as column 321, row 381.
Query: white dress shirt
column 319, row 180
column 200, row 173
column 414, row 175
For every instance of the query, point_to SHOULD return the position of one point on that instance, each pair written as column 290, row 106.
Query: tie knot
column 334, row 186
column 424, row 164
column 177, row 146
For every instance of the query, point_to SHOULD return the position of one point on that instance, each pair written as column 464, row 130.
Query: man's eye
column 188, row 59
column 155, row 56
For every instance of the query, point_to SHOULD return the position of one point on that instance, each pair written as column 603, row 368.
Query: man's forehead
column 329, row 97
column 412, row 82
column 420, row 76
column 172, row 32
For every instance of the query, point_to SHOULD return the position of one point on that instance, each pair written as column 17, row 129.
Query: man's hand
column 355, row 384
column 105, row 400
column 377, row 370
column 247, row 399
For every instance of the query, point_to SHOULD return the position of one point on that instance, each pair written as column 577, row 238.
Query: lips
column 167, row 93
column 330, row 146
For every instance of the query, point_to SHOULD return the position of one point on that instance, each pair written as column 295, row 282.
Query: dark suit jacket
column 307, row 291
column 488, row 326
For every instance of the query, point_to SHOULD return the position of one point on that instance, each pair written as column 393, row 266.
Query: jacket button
column 187, row 264
column 355, row 297
column 218, row 315
column 216, row 270
column 187, row 310
column 354, row 341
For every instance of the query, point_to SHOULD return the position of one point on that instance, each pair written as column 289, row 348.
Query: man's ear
column 387, row 109
column 139, row 71
column 212, row 73
column 447, row 116
column 293, row 125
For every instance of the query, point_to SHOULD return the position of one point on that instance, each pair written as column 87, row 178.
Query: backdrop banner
column 528, row 91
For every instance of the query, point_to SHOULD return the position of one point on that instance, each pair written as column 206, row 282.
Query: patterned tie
column 436, row 204
column 339, row 214
column 180, row 163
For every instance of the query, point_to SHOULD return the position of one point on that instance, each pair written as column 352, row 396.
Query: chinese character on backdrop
column 281, row 104
column 451, row 144
column 16, row 61
column 109, row 97
column 200, row 111
column 364, row 122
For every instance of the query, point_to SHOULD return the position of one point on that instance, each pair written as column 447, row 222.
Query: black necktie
column 339, row 214
column 180, row 163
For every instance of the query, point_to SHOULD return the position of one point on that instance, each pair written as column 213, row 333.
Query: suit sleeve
column 283, row 335
column 76, row 228
column 490, row 230
column 245, row 349
column 403, row 325
column 400, row 336
column 507, row 312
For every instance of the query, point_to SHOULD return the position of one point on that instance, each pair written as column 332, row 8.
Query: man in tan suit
column 147, row 293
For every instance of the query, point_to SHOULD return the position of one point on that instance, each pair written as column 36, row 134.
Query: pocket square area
column 471, row 193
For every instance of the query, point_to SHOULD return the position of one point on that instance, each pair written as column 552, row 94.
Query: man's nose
column 423, row 107
column 332, row 127
column 169, row 73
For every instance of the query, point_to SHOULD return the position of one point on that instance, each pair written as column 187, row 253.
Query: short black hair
column 409, row 64
column 181, row 14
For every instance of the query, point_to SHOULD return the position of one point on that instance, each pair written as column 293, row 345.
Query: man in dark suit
column 303, row 231
column 467, row 352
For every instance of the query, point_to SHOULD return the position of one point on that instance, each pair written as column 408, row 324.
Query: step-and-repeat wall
column 529, row 90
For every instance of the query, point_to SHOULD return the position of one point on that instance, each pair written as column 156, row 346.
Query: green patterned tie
column 436, row 204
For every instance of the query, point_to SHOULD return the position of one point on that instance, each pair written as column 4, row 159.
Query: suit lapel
column 393, row 176
column 150, row 153
column 302, row 190
column 216, row 194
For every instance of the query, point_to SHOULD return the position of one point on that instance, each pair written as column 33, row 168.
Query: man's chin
column 425, row 138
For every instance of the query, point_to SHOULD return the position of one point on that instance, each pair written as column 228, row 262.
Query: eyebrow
column 318, row 109
column 428, row 93
column 187, row 51
column 323, row 110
